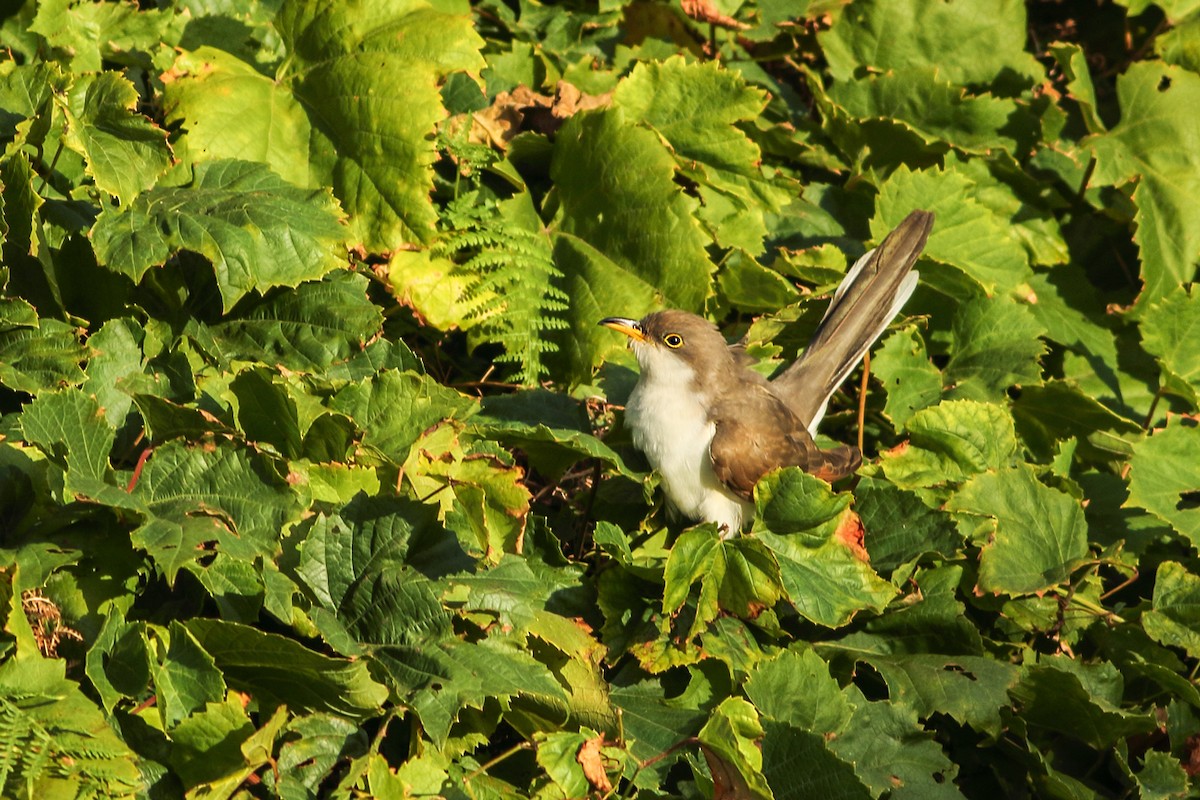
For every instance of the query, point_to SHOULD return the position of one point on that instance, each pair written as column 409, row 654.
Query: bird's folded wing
column 762, row 436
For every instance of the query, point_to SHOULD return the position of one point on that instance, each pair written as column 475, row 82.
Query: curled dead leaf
column 705, row 11
column 523, row 109
column 592, row 762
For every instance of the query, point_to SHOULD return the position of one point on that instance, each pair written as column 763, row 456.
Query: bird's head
column 674, row 343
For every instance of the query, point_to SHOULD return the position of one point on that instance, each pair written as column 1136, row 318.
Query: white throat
column 666, row 414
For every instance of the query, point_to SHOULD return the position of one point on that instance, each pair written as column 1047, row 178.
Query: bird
column 711, row 426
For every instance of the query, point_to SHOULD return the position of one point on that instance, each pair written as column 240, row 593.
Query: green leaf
column 478, row 489
column 54, row 737
column 1079, row 700
column 230, row 109
column 344, row 555
column 1181, row 44
column 314, row 748
column 557, row 753
column 825, row 578
column 798, row 764
column 267, row 412
column 655, row 722
column 40, row 358
column 319, row 326
column 1175, row 617
column 193, row 495
column 936, row 109
column 951, row 441
column 1169, row 331
column 967, row 235
column 996, row 345
column 116, row 354
column 125, row 152
column 899, row 527
column 1072, row 60
column 441, row 680
column 695, row 107
column 1039, row 534
column 1151, row 147
column 975, row 42
column 790, row 501
column 186, row 679
column 90, row 33
column 795, row 688
column 26, row 90
column 234, row 584
column 370, row 143
column 281, row 670
column 165, row 420
column 20, row 205
column 118, row 662
column 1057, row 411
column 1164, row 470
column 551, row 429
column 617, row 257
column 207, row 745
column 394, row 408
column 257, row 230
column 730, row 745
column 1162, row 777
column 892, row 753
column 971, row 689
column 736, row 575
column 911, row 380
column 70, row 427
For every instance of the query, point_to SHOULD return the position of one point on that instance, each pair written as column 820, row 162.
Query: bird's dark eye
column 673, row 340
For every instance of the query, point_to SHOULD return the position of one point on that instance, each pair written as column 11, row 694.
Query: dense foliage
column 313, row 479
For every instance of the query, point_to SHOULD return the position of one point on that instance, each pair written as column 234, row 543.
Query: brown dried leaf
column 590, row 758
column 523, row 109
column 705, row 11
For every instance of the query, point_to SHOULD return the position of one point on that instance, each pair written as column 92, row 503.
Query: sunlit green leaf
column 1152, row 146
column 257, row 230
column 1168, row 332
column 1173, row 619
column 1164, row 471
column 125, row 152
column 1039, row 533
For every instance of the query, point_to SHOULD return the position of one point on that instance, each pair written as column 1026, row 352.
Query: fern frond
column 512, row 288
column 54, row 735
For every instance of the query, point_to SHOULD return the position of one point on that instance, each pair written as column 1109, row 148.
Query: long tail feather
column 870, row 296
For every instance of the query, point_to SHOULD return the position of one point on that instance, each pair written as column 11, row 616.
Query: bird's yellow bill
column 629, row 327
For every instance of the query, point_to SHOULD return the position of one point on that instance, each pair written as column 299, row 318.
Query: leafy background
column 313, row 481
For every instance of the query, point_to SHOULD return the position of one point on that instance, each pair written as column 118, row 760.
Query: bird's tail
column 869, row 297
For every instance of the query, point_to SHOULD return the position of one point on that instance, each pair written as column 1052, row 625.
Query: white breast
column 672, row 428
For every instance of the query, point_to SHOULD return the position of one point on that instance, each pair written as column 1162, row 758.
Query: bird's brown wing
column 757, row 433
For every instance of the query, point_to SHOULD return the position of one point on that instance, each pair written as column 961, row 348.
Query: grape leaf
column 1173, row 618
column 1168, row 331
column 257, row 230
column 125, row 152
column 1039, row 533
column 1152, row 146
column 1163, row 472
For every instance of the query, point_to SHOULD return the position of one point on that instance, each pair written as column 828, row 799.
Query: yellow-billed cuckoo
column 712, row 426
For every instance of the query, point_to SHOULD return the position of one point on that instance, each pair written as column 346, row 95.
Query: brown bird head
column 675, row 346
